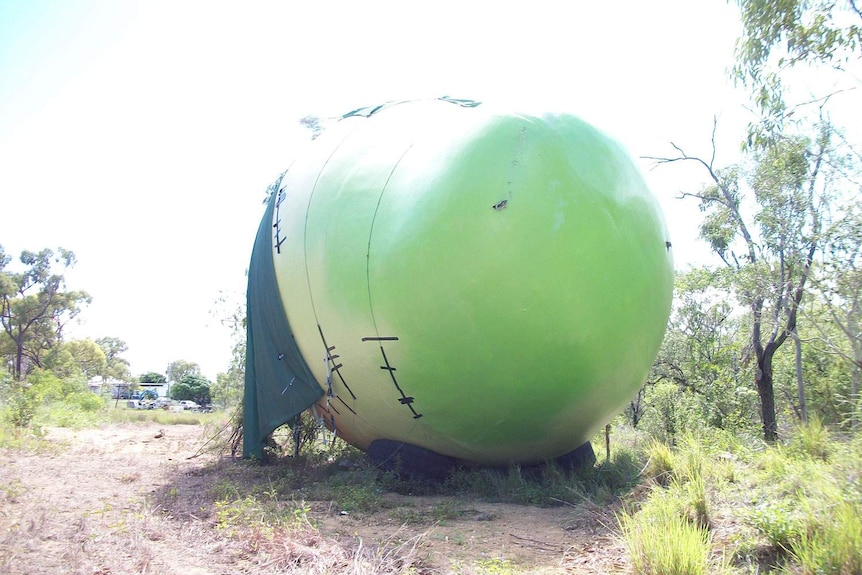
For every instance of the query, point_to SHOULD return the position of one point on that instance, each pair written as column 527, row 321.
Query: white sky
column 142, row 135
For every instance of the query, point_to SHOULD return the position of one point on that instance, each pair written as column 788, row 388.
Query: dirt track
column 126, row 499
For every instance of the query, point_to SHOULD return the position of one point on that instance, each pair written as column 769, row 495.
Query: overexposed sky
column 142, row 135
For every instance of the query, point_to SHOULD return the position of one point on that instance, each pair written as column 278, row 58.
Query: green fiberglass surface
column 488, row 285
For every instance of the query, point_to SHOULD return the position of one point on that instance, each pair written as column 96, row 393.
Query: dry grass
column 135, row 498
column 306, row 551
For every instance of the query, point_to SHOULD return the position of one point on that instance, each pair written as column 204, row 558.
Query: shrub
column 85, row 400
column 780, row 523
column 22, row 405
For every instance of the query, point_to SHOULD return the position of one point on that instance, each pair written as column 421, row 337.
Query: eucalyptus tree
column 77, row 357
column 35, row 306
column 193, row 387
column 763, row 220
column 115, row 367
column 780, row 35
column 152, row 377
column 228, row 387
column 180, row 368
column 839, row 286
column 702, row 356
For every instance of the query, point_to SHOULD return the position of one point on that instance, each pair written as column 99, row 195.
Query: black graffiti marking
column 385, row 338
column 404, row 400
column 279, row 239
column 278, row 242
column 333, row 367
column 345, row 405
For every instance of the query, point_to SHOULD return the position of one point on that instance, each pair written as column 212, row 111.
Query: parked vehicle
column 163, row 403
column 189, row 405
column 138, row 404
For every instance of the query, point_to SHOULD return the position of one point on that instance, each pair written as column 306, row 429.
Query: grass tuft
column 661, row 463
column 811, row 440
column 661, row 541
column 833, row 544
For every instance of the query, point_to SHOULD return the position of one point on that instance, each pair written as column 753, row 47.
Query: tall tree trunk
column 800, row 384
column 763, row 381
column 854, row 395
column 19, row 360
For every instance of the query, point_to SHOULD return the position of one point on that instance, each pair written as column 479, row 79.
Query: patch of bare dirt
column 126, row 499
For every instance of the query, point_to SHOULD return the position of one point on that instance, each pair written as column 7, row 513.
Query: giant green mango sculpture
column 488, row 286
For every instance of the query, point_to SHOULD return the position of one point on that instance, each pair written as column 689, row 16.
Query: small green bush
column 21, row 408
column 85, row 400
column 780, row 522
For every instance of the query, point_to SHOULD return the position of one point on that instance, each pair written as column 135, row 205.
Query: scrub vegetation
column 708, row 501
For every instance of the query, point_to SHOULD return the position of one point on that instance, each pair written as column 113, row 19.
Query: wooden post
column 608, row 442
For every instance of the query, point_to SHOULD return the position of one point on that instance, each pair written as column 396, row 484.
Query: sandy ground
column 127, row 498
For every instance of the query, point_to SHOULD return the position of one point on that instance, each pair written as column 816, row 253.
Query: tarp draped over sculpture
column 278, row 384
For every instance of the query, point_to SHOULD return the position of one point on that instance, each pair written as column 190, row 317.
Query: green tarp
column 278, row 383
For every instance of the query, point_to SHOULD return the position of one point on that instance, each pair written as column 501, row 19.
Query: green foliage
column 76, row 358
column 781, row 522
column 355, row 498
column 838, row 317
column 192, row 387
column 682, row 471
column 180, row 368
column 696, row 502
column 21, row 406
column 152, row 377
column 764, row 220
column 181, row 391
column 71, row 415
column 49, row 388
column 228, row 388
column 808, row 502
column 780, row 34
column 85, row 400
column 670, row 411
column 34, row 307
column 45, row 399
column 21, row 439
column 115, row 366
column 698, row 375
